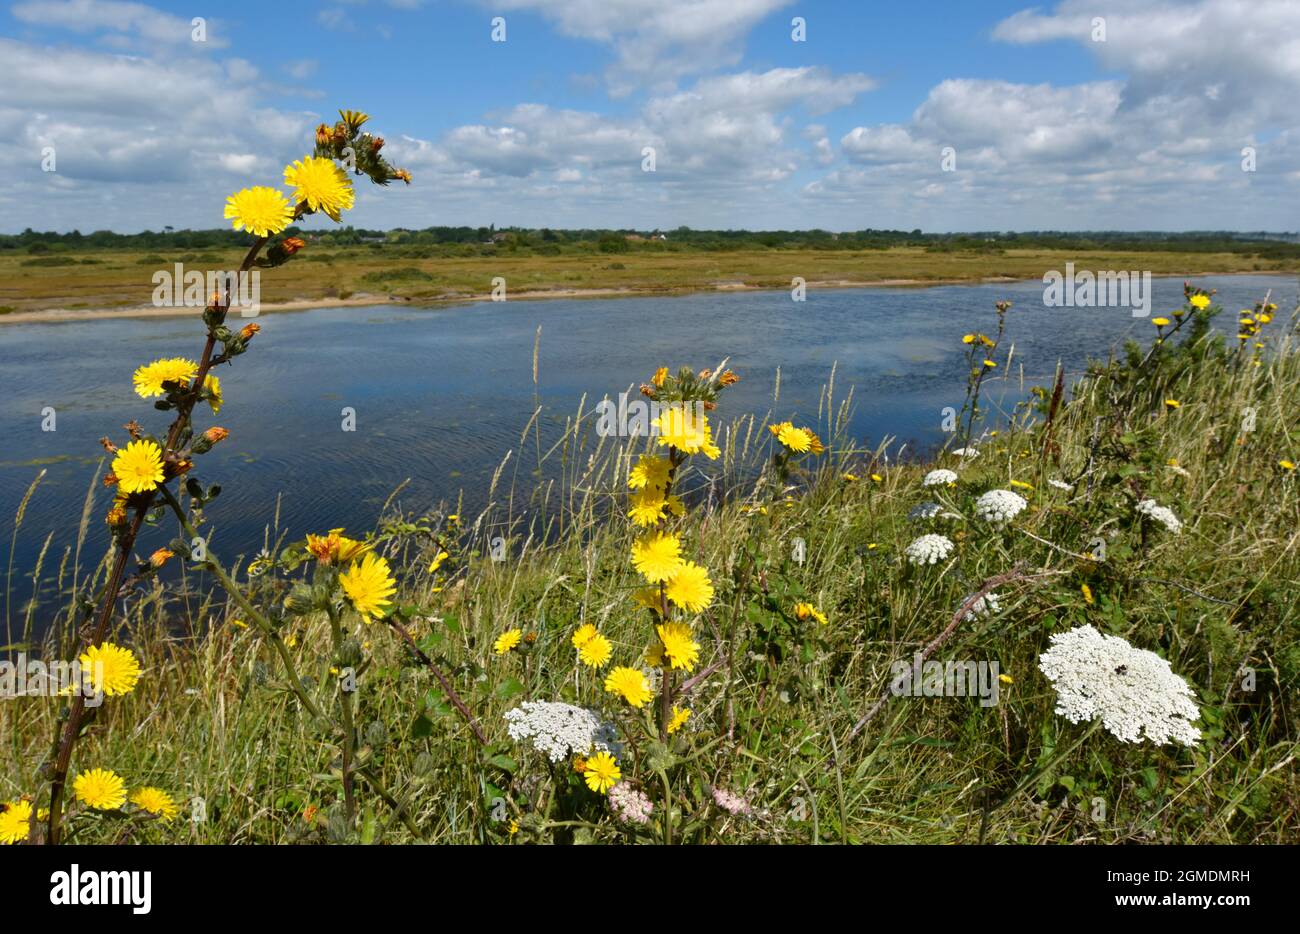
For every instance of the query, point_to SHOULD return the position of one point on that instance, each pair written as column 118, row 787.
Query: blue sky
column 1050, row 123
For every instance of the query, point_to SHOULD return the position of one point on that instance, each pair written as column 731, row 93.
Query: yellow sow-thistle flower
column 321, row 184
column 507, row 641
column 657, row 556
column 1022, row 484
column 149, row 379
column 595, row 652
column 602, row 773
column 101, row 789
column 212, row 391
column 647, row 507
column 156, row 802
column 807, row 611
column 436, row 563
column 630, row 684
column 111, row 669
column 1173, row 404
column 260, row 210
column 368, row 584
column 661, row 375
column 1286, row 465
column 1006, row 679
column 650, row 472
column 334, row 546
column 678, row 719
column 138, row 467
column 690, row 587
column 582, row 635
column 1200, row 302
column 686, row 429
column 679, row 648
column 799, row 440
column 15, row 822
column 1160, row 322
column 161, row 557
column 1087, row 593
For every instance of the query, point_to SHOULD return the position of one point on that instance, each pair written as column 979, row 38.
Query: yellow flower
column 989, row 363
column 877, row 478
column 678, row 719
column 507, row 641
column 686, row 429
column 1172, row 404
column 111, row 669
column 102, row 789
column 437, row 561
column 261, row 211
column 850, row 478
column 657, row 556
column 368, row 584
column 15, row 822
column 149, row 378
column 678, row 647
column 1006, row 679
column 1160, row 322
column 647, row 597
column 1087, row 593
column 650, row 471
column 796, row 439
column 138, row 467
column 322, row 184
column 1022, row 484
column 155, row 801
column 969, row 338
column 595, row 652
column 630, row 684
column 1200, row 301
column 660, row 376
column 161, row 556
column 513, row 828
column 212, row 386
column 582, row 635
column 334, row 546
column 808, row 611
column 646, row 508
column 690, row 587
column 602, row 773
column 1286, row 465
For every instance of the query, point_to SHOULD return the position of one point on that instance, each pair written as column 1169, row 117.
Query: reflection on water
column 442, row 394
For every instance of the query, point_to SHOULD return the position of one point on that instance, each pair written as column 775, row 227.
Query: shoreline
column 362, row 300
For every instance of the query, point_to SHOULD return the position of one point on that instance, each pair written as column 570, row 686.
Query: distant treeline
column 468, row 241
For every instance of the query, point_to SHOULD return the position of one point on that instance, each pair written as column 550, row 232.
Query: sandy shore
column 361, row 299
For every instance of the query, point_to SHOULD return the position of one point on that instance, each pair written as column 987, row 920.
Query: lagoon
column 440, row 395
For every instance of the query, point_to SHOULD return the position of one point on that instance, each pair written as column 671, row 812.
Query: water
column 442, row 394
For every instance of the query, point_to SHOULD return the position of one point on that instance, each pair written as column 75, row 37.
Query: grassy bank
column 790, row 714
column 123, row 279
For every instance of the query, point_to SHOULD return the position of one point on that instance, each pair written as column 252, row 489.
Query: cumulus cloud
column 118, row 22
column 656, row 41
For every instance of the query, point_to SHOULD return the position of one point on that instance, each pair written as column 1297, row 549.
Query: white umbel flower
column 1000, row 506
column 1061, row 484
column 1133, row 691
column 1162, row 514
column 987, row 605
column 966, row 452
column 940, row 477
column 930, row 511
column 929, row 549
column 559, row 730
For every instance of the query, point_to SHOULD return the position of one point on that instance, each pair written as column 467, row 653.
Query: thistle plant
column 144, row 468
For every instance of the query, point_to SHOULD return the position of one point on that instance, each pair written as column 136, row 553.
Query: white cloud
column 121, row 22
column 657, row 41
